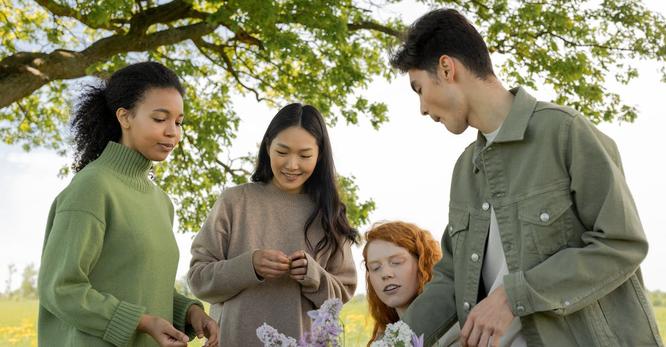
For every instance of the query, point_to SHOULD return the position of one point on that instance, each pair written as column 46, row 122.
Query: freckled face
column 393, row 273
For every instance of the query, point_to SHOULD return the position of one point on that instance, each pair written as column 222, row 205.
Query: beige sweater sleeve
column 213, row 276
column 337, row 279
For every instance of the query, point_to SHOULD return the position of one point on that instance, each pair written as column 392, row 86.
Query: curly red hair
column 418, row 242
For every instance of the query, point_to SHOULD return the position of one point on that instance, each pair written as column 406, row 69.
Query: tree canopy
column 320, row 52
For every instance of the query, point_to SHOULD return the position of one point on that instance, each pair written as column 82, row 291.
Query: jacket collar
column 515, row 124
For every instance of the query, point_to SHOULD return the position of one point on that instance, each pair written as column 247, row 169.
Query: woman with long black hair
column 273, row 249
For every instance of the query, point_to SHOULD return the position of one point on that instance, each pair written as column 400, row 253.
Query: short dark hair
column 440, row 32
column 321, row 186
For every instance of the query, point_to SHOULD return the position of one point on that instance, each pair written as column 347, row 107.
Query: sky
column 405, row 167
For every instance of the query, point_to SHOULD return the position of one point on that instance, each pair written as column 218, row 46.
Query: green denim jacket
column 569, row 227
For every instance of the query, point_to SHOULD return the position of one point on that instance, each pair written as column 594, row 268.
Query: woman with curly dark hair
column 109, row 257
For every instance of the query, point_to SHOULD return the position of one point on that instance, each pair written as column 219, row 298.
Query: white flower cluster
column 271, row 337
column 324, row 332
column 398, row 334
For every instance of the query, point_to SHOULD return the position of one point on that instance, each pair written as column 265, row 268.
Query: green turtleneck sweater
column 109, row 256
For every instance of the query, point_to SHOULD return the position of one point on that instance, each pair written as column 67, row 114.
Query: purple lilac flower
column 324, row 332
column 417, row 341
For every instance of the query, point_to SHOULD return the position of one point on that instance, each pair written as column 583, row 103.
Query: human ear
column 122, row 114
column 446, row 67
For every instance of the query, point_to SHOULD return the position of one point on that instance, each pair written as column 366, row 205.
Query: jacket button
column 466, row 306
column 475, row 257
column 520, row 309
column 545, row 217
column 485, row 206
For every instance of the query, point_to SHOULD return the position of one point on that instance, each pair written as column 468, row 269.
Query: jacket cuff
column 312, row 275
column 123, row 323
column 517, row 293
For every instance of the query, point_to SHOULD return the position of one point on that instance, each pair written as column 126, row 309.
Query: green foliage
column 324, row 53
column 572, row 47
column 28, row 288
column 658, row 298
column 357, row 211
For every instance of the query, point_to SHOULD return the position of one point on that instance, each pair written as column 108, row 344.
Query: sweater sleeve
column 181, row 304
column 72, row 248
column 337, row 279
column 213, row 276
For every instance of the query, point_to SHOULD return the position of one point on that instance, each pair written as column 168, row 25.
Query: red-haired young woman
column 399, row 258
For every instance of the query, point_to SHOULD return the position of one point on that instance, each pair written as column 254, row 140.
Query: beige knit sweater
column 260, row 216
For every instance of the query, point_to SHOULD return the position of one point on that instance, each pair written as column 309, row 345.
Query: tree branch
column 232, row 171
column 66, row 11
column 24, row 72
column 203, row 45
column 227, row 168
column 169, row 12
column 368, row 25
column 575, row 44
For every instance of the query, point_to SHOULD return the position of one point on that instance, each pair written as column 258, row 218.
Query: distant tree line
column 658, row 298
column 28, row 288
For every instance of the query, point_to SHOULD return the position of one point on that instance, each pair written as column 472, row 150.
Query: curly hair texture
column 418, row 242
column 94, row 123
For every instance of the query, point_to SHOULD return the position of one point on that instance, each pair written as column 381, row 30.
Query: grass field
column 18, row 323
column 18, row 320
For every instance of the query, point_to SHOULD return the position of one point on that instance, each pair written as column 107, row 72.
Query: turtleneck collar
column 127, row 163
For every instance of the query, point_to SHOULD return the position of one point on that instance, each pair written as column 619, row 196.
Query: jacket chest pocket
column 458, row 224
column 545, row 222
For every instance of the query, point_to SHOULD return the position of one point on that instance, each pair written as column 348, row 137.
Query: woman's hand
column 203, row 325
column 299, row 265
column 270, row 263
column 162, row 331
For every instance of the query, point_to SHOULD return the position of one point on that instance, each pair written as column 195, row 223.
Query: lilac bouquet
column 325, row 330
column 398, row 334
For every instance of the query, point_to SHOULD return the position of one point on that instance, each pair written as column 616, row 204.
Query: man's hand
column 203, row 325
column 299, row 265
column 162, row 331
column 270, row 263
column 488, row 320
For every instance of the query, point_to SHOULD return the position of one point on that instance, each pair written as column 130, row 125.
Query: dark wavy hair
column 440, row 32
column 94, row 123
column 321, row 186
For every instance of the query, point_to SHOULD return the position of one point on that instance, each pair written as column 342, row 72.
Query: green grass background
column 18, row 323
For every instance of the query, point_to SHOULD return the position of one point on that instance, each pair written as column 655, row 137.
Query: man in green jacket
column 544, row 242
